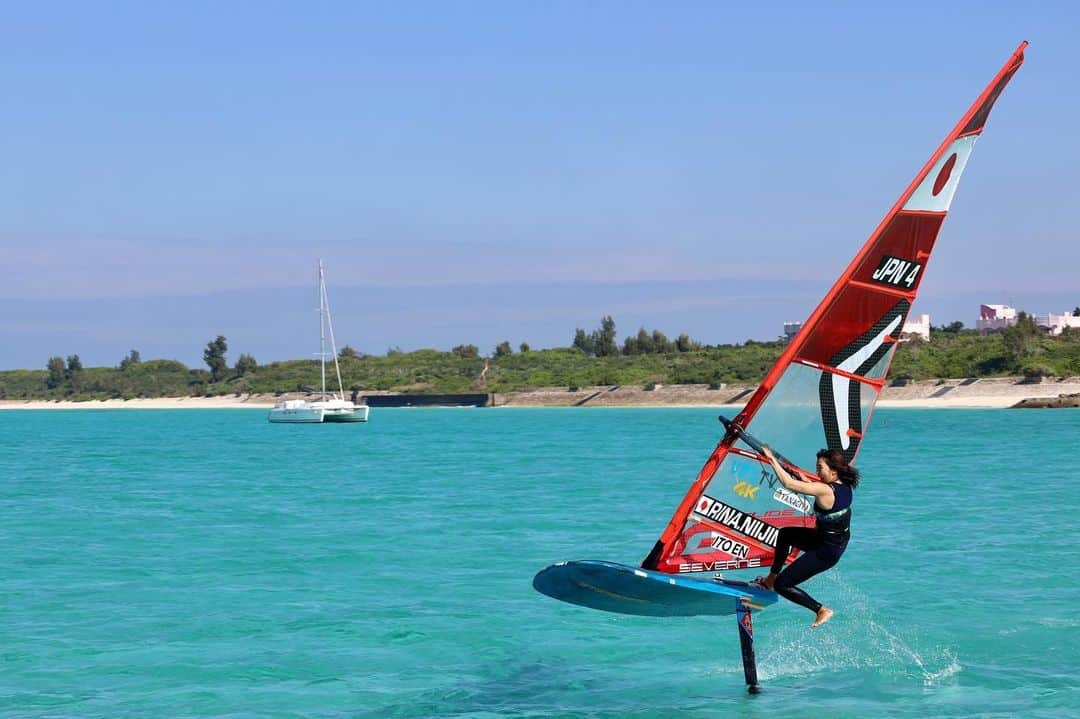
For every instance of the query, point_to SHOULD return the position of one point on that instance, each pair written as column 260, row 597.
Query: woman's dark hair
column 834, row 458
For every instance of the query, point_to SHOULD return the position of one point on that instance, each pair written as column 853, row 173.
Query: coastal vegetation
column 1022, row 349
column 645, row 358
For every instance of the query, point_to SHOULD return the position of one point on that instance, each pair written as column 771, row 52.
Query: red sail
column 822, row 390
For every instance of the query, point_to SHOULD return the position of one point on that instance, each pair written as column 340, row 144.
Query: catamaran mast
column 333, row 343
column 322, row 328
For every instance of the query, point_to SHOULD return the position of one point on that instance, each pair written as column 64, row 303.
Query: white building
column 791, row 329
column 1054, row 324
column 993, row 318
column 918, row 327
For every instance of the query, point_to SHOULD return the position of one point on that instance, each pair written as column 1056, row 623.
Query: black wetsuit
column 821, row 546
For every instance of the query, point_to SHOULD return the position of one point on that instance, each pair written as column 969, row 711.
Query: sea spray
column 856, row 637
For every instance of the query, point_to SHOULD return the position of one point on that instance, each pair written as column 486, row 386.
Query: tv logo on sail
column 897, row 272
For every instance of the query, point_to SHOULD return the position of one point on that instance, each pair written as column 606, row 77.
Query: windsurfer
column 822, row 545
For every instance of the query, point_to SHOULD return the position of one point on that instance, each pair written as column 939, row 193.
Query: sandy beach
column 243, row 402
column 996, row 392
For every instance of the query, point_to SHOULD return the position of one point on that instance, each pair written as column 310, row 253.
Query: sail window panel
column 789, row 420
column 809, row 410
column 743, row 483
column 868, row 397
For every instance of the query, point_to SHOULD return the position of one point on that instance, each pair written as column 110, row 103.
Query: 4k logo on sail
column 745, row 489
column 897, row 272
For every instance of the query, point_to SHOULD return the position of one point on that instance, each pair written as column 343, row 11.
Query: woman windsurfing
column 822, row 545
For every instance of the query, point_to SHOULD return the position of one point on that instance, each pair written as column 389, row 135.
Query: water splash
column 854, row 640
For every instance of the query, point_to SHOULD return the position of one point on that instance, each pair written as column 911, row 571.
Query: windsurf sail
column 821, row 391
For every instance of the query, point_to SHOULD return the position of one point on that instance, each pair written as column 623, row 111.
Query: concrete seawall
column 990, row 392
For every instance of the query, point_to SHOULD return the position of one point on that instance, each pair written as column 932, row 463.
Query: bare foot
column 823, row 615
column 766, row 582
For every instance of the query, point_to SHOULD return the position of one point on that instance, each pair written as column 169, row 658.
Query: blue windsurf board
column 613, row 587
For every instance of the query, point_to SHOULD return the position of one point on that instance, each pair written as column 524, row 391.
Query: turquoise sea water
column 206, row 563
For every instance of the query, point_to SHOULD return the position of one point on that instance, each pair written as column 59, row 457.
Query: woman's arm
column 814, row 489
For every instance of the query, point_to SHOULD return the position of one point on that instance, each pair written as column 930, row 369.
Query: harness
column 834, row 525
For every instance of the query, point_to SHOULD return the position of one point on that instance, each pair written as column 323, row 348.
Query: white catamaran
column 333, row 407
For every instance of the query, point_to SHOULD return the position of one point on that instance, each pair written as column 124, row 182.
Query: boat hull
column 359, row 414
column 304, row 412
column 295, row 416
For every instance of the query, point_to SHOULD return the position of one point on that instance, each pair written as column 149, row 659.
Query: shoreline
column 255, row 402
column 989, row 393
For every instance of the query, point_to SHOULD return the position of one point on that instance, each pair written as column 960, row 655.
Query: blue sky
column 472, row 172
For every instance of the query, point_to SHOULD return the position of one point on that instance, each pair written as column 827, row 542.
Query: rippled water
column 207, row 563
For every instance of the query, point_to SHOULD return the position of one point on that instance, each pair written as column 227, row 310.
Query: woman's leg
column 799, row 537
column 803, row 538
column 806, row 566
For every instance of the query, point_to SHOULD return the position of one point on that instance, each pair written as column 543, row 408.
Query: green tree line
column 593, row 358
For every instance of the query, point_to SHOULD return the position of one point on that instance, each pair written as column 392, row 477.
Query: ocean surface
column 204, row 563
